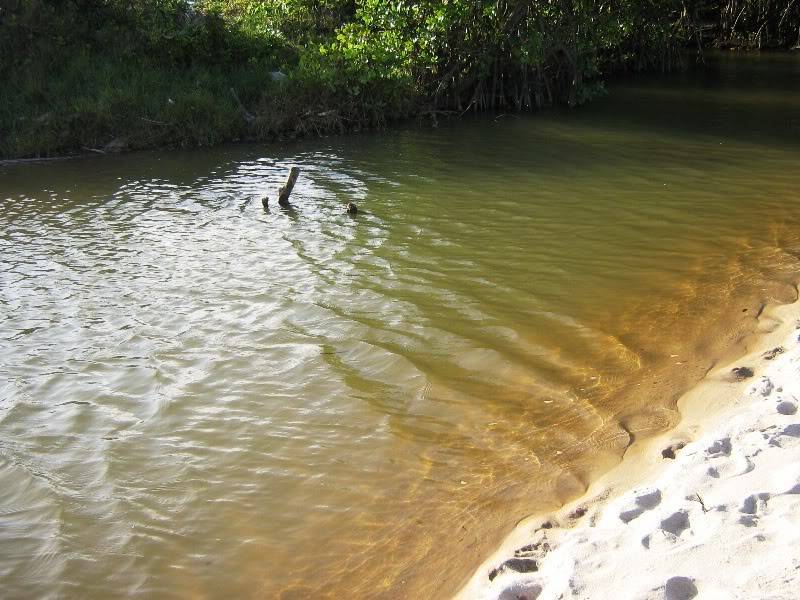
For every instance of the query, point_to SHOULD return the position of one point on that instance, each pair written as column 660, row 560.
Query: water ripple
column 200, row 396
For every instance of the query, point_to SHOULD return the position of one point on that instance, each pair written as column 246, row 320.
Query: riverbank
column 118, row 76
column 709, row 509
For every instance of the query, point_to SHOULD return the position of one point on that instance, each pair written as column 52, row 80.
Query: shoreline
column 653, row 525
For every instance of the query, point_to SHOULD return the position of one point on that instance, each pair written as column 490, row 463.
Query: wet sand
column 707, row 509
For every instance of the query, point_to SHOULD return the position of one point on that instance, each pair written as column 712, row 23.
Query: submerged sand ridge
column 710, row 509
column 535, row 458
column 537, row 461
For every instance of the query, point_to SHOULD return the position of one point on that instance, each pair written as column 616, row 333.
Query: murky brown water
column 202, row 399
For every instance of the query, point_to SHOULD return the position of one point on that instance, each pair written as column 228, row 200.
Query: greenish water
column 199, row 398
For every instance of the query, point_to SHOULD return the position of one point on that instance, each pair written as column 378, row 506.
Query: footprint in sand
column 676, row 523
column 720, row 447
column 727, row 463
column 789, row 435
column 671, row 528
column 794, row 490
column 671, row 451
column 642, row 503
column 764, row 387
column 519, row 565
column 751, row 507
column 792, row 430
column 773, row 353
column 680, row 588
column 521, row 591
column 534, row 549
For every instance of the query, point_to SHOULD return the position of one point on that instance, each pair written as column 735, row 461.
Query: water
column 199, row 398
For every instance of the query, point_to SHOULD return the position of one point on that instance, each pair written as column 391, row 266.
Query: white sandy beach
column 720, row 520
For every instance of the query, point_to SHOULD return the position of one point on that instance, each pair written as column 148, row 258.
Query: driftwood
column 286, row 190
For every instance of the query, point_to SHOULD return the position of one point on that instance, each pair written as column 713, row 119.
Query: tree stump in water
column 286, row 190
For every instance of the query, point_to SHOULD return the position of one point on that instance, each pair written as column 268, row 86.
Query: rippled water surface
column 201, row 398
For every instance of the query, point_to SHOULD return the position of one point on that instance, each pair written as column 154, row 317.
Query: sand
column 719, row 520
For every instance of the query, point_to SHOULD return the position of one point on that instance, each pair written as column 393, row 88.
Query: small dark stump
column 742, row 373
column 286, row 190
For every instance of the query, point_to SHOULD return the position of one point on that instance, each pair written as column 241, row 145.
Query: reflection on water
column 202, row 398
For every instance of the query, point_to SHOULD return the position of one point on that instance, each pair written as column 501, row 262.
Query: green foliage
column 462, row 53
column 160, row 72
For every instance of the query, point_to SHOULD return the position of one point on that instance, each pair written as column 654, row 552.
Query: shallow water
column 202, row 398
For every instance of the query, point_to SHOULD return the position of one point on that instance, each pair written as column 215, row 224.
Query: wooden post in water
column 286, row 190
